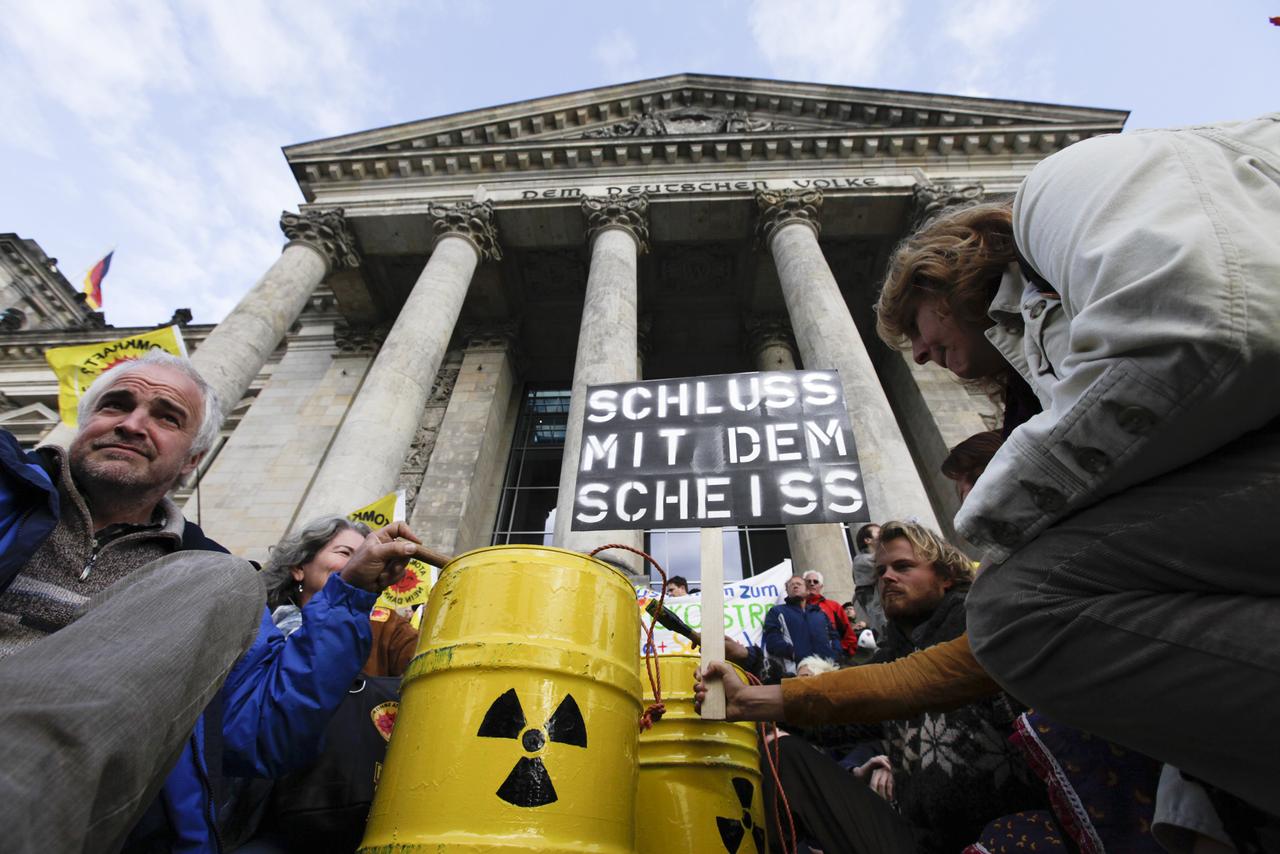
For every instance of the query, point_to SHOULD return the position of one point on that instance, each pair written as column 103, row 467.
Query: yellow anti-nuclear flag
column 77, row 367
column 416, row 585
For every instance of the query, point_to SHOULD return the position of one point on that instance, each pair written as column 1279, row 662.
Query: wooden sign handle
column 712, row 553
column 431, row 557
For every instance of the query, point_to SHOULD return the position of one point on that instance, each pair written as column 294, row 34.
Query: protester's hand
column 879, row 775
column 381, row 559
column 882, row 783
column 733, row 688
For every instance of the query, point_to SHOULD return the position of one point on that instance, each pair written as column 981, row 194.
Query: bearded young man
column 96, row 707
column 947, row 771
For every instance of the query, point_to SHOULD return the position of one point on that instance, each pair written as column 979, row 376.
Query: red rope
column 771, row 756
column 656, row 709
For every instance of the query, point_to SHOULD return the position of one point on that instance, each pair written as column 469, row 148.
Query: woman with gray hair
column 300, row 565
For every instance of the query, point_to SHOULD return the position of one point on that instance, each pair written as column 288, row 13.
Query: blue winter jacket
column 810, row 631
column 270, row 715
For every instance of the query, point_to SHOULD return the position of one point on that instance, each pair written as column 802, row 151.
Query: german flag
column 93, row 281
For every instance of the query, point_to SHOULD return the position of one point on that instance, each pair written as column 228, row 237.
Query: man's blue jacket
column 807, row 625
column 270, row 715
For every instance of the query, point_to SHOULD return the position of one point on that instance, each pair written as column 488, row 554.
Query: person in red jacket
column 834, row 611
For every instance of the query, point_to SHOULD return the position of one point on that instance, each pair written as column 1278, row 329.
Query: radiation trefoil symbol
column 734, row 830
column 529, row 784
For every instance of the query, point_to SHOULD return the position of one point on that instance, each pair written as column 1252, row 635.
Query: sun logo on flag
column 408, row 582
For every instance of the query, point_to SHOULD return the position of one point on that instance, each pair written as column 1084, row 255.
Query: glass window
column 527, row 510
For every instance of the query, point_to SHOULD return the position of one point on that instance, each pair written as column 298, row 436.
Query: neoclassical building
column 452, row 285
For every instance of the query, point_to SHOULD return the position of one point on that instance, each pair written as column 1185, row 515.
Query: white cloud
column 834, row 41
column 298, row 56
column 984, row 31
column 175, row 116
column 618, row 55
column 99, row 60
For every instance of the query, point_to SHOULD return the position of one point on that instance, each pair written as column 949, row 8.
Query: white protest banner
column 745, row 604
column 773, row 447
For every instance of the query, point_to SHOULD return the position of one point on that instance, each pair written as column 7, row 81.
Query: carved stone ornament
column 554, row 274
column 767, row 331
column 780, row 207
column 472, row 220
column 358, row 340
column 711, row 270
column 687, row 122
column 414, row 469
column 323, row 230
column 930, row 198
column 629, row 212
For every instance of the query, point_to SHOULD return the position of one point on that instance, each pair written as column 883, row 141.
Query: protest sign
column 745, row 604
column 77, row 367
column 414, row 588
column 773, row 447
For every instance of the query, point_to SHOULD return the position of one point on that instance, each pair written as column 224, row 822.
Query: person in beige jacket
column 1129, row 586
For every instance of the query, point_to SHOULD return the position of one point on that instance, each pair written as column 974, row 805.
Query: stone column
column 236, row 350
column 820, row 547
column 458, row 500
column 829, row 339
column 369, row 449
column 938, row 411
column 617, row 229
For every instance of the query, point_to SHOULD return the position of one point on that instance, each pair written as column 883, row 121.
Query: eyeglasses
column 812, row 581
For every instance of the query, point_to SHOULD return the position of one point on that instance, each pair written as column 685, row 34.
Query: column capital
column 630, row 213
column 782, row 207
column 772, row 330
column 928, row 197
column 472, row 221
column 492, row 334
column 324, row 231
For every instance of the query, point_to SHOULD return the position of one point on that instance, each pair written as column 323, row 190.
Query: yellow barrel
column 699, row 780
column 518, row 718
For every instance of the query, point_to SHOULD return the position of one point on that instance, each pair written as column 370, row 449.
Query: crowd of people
column 1103, row 678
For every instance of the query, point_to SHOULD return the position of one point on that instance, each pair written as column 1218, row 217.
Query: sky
column 155, row 129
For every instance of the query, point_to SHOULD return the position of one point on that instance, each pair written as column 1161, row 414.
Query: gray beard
column 104, row 477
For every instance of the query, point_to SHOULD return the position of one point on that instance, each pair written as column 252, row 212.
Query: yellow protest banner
column 416, row 585
column 380, row 513
column 77, row 367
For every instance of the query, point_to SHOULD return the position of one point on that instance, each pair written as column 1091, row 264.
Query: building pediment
column 684, row 104
column 680, row 119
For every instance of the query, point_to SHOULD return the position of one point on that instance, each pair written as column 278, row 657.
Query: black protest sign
column 768, row 448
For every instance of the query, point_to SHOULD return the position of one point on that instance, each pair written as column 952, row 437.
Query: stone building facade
column 452, row 285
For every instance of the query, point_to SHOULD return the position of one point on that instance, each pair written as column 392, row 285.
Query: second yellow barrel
column 699, row 786
column 518, row 719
